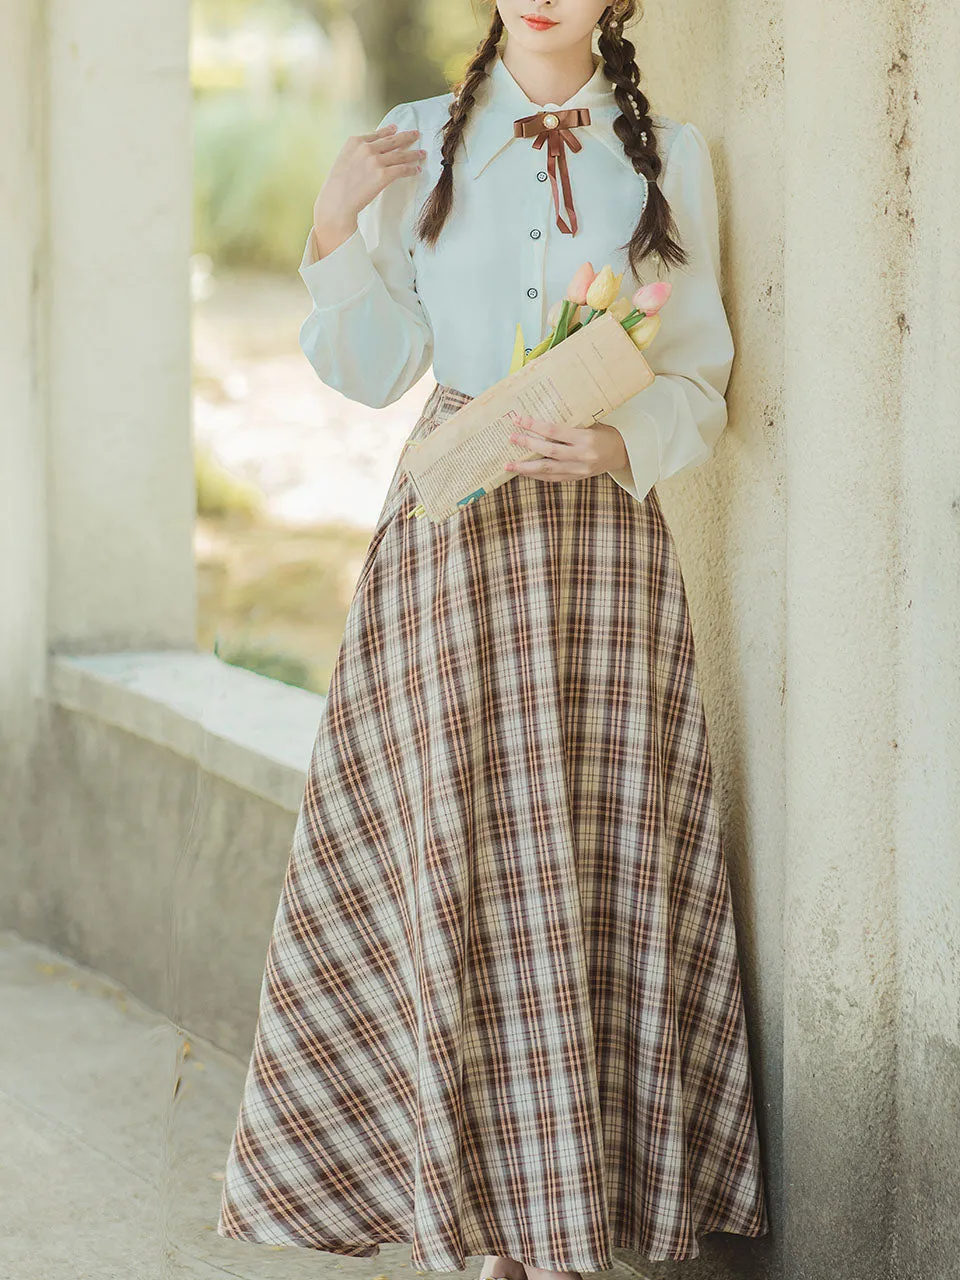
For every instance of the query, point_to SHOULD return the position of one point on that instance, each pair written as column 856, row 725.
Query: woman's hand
column 365, row 165
column 570, row 453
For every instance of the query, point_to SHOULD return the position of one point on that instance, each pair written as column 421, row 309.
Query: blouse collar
column 489, row 127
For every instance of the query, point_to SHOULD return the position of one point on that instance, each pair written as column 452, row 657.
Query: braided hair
column 656, row 231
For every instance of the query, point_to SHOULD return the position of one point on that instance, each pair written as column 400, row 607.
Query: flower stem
column 561, row 330
column 633, row 318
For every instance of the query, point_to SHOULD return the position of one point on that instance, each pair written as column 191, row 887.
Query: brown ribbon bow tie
column 553, row 127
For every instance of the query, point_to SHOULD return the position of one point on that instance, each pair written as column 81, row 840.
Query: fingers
column 553, row 439
column 384, row 131
column 550, row 430
column 564, row 455
column 395, row 147
column 548, row 448
column 413, row 157
column 548, row 469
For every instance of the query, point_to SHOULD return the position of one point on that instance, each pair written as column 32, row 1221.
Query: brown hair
column 656, row 231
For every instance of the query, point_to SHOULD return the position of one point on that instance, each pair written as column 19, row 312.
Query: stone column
column 844, row 248
column 928, row 739
column 120, row 499
column 22, row 487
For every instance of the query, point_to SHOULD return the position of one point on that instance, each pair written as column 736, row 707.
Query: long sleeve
column 674, row 424
column 368, row 335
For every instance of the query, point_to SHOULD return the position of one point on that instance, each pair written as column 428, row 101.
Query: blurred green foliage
column 259, row 162
column 257, row 170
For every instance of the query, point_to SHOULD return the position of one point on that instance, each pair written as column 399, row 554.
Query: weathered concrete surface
column 144, row 865
column 146, row 829
column 842, row 404
column 116, row 335
column 928, row 826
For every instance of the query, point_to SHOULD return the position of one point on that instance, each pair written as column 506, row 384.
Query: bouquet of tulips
column 597, row 291
column 463, row 458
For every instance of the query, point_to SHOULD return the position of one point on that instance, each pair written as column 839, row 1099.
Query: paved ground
column 103, row 1174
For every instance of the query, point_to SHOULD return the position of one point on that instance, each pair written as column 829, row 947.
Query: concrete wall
column 154, row 825
column 842, row 405
column 926, row 836
column 147, row 867
column 873, row 896
column 822, row 554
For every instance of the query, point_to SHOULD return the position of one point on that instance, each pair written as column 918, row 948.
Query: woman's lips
column 539, row 24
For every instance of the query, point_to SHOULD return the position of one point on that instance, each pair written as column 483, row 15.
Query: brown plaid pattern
column 501, row 1011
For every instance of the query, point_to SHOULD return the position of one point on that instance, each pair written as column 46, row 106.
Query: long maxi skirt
column 501, row 1011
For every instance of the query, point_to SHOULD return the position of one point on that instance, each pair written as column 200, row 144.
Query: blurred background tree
column 395, row 35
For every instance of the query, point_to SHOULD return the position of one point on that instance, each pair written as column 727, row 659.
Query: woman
column 501, row 1013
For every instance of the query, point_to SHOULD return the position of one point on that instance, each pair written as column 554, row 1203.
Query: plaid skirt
column 501, row 1011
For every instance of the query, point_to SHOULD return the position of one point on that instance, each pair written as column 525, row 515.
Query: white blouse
column 386, row 306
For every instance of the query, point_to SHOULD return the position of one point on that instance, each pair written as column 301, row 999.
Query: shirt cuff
column 641, row 438
column 339, row 276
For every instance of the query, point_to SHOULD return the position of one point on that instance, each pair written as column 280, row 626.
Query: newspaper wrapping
column 576, row 382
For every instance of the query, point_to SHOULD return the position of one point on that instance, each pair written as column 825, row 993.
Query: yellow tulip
column 604, row 289
column 620, row 308
column 645, row 330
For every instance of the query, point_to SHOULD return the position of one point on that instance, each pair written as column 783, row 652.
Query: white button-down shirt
column 386, row 305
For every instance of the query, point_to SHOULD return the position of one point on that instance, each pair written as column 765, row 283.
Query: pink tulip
column 582, row 280
column 651, row 297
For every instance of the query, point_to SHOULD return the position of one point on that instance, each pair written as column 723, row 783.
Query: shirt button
column 542, row 175
column 531, row 293
column 535, row 233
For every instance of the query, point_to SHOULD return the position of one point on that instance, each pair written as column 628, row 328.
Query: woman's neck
column 552, row 77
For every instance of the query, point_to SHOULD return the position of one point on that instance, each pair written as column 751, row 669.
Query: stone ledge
column 255, row 732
